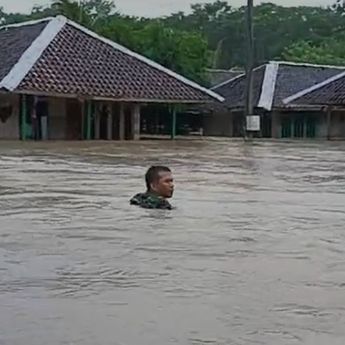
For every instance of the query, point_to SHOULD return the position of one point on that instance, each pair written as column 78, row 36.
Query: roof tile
column 291, row 79
column 234, row 91
column 332, row 93
column 79, row 64
column 294, row 78
column 14, row 41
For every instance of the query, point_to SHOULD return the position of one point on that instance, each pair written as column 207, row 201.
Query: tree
column 182, row 51
column 72, row 10
column 98, row 9
column 86, row 12
column 330, row 52
column 339, row 6
column 276, row 28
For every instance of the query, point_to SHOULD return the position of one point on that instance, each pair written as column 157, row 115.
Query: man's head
column 159, row 180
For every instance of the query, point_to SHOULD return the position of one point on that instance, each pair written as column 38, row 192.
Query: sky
column 152, row 8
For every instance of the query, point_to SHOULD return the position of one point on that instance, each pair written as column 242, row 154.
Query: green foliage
column 182, row 51
column 330, row 52
column 86, row 12
column 276, row 29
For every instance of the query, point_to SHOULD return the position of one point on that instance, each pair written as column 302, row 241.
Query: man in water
column 160, row 187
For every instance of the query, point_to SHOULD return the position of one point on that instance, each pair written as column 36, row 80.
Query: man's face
column 164, row 186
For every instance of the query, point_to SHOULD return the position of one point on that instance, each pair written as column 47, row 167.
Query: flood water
column 254, row 252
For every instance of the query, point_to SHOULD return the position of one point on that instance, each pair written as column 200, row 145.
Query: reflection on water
column 253, row 253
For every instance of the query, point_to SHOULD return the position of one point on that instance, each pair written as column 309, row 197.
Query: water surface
column 253, row 253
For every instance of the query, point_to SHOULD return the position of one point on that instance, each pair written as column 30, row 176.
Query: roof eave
column 112, row 99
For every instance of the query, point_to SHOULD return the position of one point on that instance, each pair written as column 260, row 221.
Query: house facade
column 331, row 95
column 61, row 81
column 273, row 84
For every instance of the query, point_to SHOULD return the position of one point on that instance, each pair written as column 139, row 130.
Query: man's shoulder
column 137, row 198
column 147, row 200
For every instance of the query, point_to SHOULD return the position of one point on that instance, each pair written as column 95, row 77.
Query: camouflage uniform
column 148, row 200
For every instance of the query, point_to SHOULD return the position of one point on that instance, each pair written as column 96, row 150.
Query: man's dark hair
column 152, row 175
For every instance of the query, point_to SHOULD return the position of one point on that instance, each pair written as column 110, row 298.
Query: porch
column 28, row 117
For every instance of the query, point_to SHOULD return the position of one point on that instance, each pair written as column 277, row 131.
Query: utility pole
column 248, row 109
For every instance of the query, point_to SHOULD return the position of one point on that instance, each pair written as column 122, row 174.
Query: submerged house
column 330, row 94
column 273, row 84
column 59, row 80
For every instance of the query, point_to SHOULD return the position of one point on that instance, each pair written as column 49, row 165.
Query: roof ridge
column 26, row 23
column 236, row 77
column 146, row 60
column 313, row 88
column 268, row 86
column 223, row 70
column 306, row 64
column 28, row 59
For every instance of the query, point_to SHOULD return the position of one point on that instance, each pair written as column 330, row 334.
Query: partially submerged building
column 330, row 94
column 59, row 80
column 273, row 84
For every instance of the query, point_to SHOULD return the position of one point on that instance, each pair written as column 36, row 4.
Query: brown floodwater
column 254, row 252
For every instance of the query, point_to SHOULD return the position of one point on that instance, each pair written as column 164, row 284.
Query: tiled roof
column 287, row 79
column 294, row 78
column 234, row 90
column 77, row 62
column 14, row 41
column 328, row 92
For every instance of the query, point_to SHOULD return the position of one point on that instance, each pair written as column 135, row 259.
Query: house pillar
column 329, row 122
column 34, row 120
column 122, row 122
column 97, row 125
column 23, row 117
column 135, row 112
column 109, row 123
column 230, row 123
column 82, row 104
column 88, row 120
column 305, row 123
column 173, row 123
column 275, row 124
column 44, row 128
column 156, row 124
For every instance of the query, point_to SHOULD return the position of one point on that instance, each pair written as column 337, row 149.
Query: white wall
column 10, row 128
